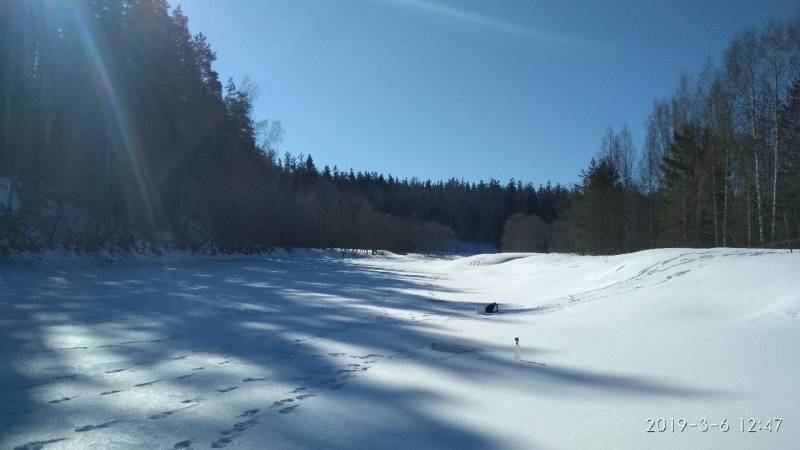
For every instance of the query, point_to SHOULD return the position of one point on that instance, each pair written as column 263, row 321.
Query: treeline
column 727, row 146
column 720, row 164
column 475, row 212
column 116, row 132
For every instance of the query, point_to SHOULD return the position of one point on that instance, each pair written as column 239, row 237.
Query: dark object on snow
column 491, row 308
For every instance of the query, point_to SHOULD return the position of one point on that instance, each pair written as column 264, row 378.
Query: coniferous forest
column 117, row 133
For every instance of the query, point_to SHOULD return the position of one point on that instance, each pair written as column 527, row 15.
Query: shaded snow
column 309, row 350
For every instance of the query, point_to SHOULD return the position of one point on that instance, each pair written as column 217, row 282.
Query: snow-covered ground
column 314, row 351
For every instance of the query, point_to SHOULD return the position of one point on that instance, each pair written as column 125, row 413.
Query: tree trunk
column 756, row 178
column 714, row 205
column 749, row 219
column 685, row 218
column 725, row 201
column 698, row 229
column 774, row 158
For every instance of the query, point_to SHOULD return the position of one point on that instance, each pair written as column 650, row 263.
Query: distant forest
column 117, row 133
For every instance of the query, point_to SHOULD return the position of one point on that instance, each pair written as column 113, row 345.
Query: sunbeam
column 124, row 128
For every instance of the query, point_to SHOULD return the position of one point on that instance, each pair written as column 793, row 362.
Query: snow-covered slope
column 313, row 351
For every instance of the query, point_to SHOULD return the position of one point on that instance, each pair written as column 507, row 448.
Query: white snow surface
column 312, row 350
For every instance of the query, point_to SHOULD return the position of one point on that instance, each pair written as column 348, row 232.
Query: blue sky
column 470, row 89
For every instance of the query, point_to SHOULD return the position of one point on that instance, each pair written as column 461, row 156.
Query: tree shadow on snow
column 219, row 353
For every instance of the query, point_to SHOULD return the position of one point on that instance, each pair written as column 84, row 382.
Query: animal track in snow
column 170, row 412
column 288, row 409
column 86, row 428
column 227, row 436
column 249, row 413
column 281, row 402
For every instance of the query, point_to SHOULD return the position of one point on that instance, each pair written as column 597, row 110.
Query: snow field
column 309, row 350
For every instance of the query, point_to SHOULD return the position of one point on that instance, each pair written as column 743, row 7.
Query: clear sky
column 471, row 89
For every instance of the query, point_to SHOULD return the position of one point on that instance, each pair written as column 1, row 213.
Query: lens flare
column 117, row 107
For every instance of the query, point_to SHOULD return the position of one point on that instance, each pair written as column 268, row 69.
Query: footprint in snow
column 228, row 435
column 248, row 413
column 182, row 444
column 227, row 389
column 281, row 402
column 171, row 412
column 63, row 399
column 148, row 383
column 110, row 392
column 221, row 442
column 86, row 428
column 288, row 409
column 249, row 379
column 162, row 415
column 115, row 371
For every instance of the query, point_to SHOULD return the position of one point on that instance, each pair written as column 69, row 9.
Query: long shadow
column 224, row 351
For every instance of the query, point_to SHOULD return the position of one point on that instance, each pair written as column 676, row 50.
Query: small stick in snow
column 517, row 358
